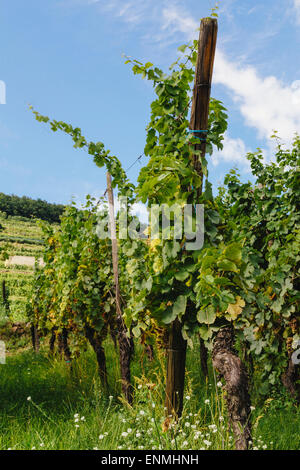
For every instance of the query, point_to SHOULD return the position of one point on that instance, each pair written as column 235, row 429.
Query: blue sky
column 65, row 58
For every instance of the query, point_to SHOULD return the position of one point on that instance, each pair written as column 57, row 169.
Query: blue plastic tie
column 198, row 130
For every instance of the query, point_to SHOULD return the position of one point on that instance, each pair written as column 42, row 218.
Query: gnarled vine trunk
column 35, row 338
column 96, row 343
column 52, row 340
column 292, row 374
column 63, row 346
column 150, row 352
column 289, row 379
column 231, row 368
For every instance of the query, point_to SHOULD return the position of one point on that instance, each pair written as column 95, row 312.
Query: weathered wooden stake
column 203, row 358
column 176, row 356
column 5, row 296
column 176, row 352
column 125, row 343
column 3, row 292
column 225, row 358
column 202, row 86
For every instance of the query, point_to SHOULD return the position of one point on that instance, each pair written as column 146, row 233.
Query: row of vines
column 239, row 293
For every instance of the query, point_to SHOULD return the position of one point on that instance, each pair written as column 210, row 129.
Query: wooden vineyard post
column 3, row 292
column 224, row 357
column 202, row 86
column 176, row 356
column 200, row 110
column 5, row 297
column 176, row 352
column 125, row 343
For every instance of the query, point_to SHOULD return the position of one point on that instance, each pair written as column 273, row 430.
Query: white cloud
column 175, row 19
column 130, row 12
column 138, row 209
column 297, row 8
column 168, row 18
column 234, row 151
column 141, row 211
column 265, row 102
column 2, row 92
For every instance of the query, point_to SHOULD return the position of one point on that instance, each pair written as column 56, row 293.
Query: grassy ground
column 45, row 405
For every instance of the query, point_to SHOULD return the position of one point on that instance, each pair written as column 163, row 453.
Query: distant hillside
column 20, row 243
column 30, row 208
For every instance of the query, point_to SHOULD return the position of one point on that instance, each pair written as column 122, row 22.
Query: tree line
column 30, row 208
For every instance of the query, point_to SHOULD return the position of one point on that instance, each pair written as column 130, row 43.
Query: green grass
column 60, row 397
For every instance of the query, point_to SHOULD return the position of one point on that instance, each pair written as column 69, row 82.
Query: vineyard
column 160, row 338
column 23, row 238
